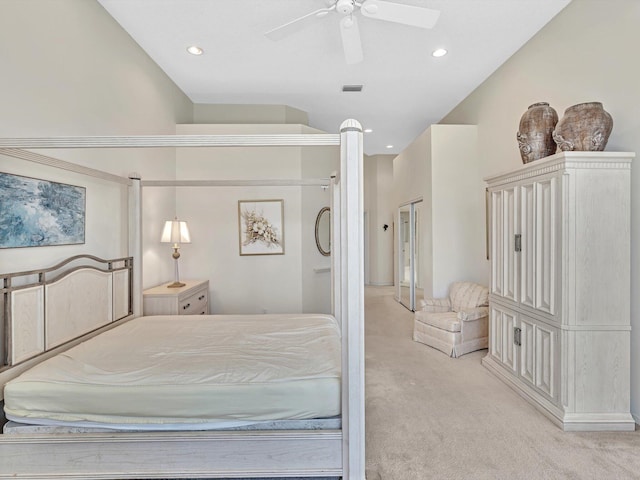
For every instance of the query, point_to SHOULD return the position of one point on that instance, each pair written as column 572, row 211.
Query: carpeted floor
column 429, row 416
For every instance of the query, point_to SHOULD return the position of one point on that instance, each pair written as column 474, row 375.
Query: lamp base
column 176, row 285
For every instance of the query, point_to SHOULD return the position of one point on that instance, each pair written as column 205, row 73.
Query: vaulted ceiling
column 404, row 88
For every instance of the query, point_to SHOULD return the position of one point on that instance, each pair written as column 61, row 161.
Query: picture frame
column 261, row 227
column 40, row 213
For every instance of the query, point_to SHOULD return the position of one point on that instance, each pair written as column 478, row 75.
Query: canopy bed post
column 135, row 240
column 352, row 299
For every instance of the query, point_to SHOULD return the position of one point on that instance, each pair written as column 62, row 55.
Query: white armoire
column 559, row 324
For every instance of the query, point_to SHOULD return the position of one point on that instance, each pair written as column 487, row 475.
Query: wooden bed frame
column 203, row 454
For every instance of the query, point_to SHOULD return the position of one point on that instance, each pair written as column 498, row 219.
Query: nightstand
column 192, row 299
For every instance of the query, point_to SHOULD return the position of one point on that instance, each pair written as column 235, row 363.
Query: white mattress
column 187, row 370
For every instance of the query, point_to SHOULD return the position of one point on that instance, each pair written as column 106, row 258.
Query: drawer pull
column 186, row 306
column 201, row 297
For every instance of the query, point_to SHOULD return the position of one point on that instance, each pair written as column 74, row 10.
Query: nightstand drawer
column 196, row 304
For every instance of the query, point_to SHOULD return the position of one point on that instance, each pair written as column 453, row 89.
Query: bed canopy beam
column 291, row 140
column 299, row 182
column 95, row 173
column 61, row 164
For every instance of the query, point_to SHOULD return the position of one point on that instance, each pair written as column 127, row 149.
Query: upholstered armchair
column 457, row 324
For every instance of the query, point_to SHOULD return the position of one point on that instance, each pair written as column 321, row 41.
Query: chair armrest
column 469, row 314
column 435, row 305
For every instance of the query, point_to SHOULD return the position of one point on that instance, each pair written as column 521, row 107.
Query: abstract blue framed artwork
column 38, row 213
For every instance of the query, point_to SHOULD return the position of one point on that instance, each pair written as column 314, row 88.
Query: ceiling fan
column 378, row 9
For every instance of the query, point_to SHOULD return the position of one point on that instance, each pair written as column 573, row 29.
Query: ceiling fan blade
column 399, row 13
column 293, row 26
column 351, row 40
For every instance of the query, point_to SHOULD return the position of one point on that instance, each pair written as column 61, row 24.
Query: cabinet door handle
column 186, row 306
column 518, row 242
column 517, row 336
column 201, row 297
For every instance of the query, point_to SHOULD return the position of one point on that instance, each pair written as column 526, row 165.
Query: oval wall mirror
column 323, row 231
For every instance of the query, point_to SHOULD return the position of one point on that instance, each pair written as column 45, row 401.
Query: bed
column 158, row 436
column 165, row 373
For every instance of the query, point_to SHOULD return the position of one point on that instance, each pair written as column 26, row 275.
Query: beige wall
column 69, row 69
column 378, row 205
column 587, row 53
column 256, row 114
column 316, row 162
column 412, row 178
column 261, row 283
column 441, row 168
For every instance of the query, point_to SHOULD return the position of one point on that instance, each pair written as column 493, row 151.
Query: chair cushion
column 445, row 321
column 464, row 295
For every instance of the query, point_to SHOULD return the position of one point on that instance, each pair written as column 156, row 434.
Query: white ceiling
column 405, row 88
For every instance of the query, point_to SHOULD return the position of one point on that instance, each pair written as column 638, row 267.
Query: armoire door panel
column 527, row 258
column 545, row 348
column 510, row 256
column 545, row 265
column 508, row 345
column 527, row 350
column 495, row 333
column 496, row 235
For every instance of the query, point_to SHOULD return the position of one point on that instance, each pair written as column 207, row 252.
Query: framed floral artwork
column 261, row 227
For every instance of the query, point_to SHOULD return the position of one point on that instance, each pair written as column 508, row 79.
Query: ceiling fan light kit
column 345, row 7
column 377, row 9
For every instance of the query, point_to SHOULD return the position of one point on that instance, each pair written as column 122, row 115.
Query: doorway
column 409, row 249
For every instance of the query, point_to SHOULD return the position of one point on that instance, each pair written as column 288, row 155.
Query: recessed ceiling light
column 440, row 52
column 389, row 146
column 368, row 130
column 195, row 50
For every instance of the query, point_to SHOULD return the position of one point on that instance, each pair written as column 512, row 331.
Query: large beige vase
column 584, row 127
column 535, row 132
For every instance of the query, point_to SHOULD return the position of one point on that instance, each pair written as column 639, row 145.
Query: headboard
column 44, row 309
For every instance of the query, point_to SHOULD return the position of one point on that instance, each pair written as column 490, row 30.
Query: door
column 409, row 241
column 404, row 258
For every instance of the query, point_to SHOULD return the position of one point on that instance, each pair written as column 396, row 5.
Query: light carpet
column 429, row 416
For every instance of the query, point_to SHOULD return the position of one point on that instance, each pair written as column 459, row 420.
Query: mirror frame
column 322, row 211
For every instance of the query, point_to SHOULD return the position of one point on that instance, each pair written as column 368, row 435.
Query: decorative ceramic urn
column 535, row 134
column 584, row 127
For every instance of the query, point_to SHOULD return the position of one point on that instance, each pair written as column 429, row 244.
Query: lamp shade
column 175, row 231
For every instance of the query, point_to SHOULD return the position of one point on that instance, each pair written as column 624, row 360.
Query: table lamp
column 175, row 232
